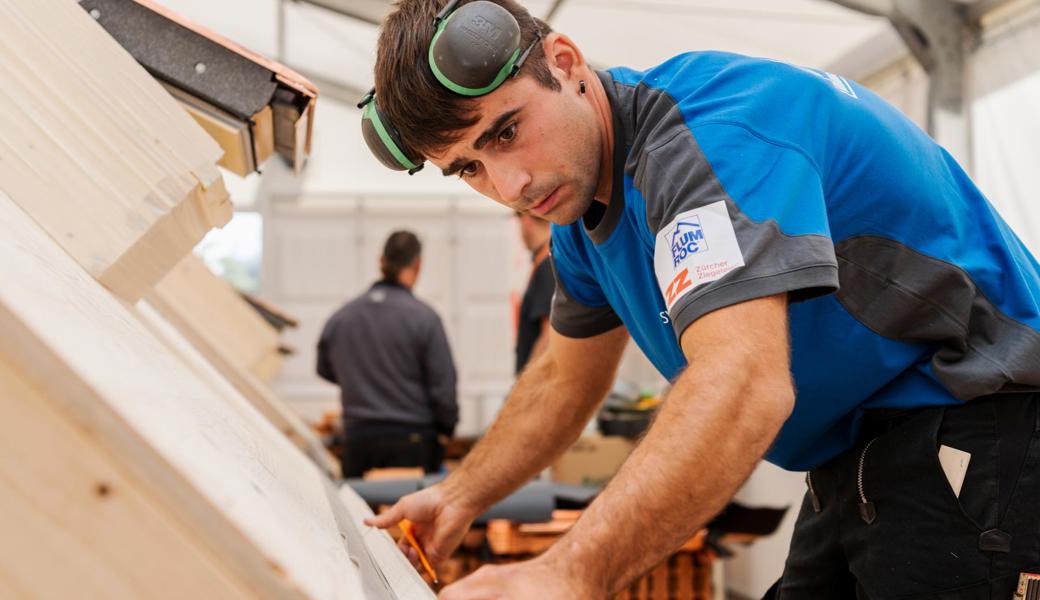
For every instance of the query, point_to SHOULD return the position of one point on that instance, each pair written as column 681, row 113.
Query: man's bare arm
column 545, row 412
column 543, row 415
column 718, row 420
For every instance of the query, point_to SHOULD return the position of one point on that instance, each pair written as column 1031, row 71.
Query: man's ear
column 563, row 56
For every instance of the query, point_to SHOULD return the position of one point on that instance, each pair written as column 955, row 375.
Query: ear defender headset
column 474, row 50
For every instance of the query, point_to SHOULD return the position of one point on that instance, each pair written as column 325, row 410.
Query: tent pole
column 941, row 35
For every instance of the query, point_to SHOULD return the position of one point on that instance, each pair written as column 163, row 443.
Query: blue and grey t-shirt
column 738, row 178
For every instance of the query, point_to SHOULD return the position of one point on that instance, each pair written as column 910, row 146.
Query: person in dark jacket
column 533, row 321
column 388, row 352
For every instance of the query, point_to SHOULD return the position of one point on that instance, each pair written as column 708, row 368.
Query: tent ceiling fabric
column 636, row 33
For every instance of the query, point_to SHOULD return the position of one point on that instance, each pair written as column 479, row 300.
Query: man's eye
column 469, row 170
column 508, row 134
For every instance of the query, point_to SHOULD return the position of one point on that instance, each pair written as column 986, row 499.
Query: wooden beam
column 97, row 152
column 209, row 308
column 76, row 525
column 251, row 500
column 234, row 339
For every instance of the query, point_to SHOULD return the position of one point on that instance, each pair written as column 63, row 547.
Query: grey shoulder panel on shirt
column 905, row 295
column 573, row 319
column 639, row 106
column 803, row 265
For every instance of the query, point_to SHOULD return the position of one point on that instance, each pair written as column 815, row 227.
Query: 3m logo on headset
column 485, row 29
column 687, row 239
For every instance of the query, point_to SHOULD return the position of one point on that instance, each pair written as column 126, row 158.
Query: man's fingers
column 413, row 557
column 410, row 553
column 386, row 519
column 435, row 556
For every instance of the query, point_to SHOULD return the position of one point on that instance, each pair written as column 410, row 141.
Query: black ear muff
column 475, row 48
column 383, row 139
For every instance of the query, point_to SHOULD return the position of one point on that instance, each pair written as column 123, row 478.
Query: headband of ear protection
column 474, row 50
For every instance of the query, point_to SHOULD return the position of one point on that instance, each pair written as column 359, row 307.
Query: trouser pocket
column 919, row 540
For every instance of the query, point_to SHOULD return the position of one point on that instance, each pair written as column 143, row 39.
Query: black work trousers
column 381, row 446
column 882, row 520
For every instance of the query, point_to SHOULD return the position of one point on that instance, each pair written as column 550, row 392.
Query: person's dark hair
column 429, row 116
column 400, row 251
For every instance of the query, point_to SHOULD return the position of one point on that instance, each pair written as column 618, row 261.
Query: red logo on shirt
column 678, row 285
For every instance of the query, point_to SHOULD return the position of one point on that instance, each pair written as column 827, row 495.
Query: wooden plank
column 68, row 510
column 190, row 355
column 254, row 502
column 208, row 372
column 230, row 134
column 268, row 367
column 97, row 152
column 263, row 134
column 215, row 313
column 209, row 314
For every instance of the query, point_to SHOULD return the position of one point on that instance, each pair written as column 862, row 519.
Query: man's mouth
column 546, row 204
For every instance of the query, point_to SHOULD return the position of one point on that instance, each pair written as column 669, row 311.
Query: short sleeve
column 736, row 217
column 579, row 307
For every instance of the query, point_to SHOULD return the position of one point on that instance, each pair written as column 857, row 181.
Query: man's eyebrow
column 459, row 163
column 493, row 129
column 455, row 167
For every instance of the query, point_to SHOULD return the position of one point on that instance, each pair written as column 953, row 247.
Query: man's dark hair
column 401, row 251
column 429, row 116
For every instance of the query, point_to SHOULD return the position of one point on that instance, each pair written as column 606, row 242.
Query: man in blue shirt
column 823, row 284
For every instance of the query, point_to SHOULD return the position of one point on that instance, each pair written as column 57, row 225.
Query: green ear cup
column 384, row 141
column 473, row 51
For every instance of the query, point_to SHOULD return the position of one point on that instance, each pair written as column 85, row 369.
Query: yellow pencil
column 406, row 529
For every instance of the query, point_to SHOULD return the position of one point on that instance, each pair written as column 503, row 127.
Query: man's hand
column 439, row 523
column 540, row 578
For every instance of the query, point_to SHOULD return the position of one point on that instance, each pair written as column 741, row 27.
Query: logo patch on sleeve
column 697, row 247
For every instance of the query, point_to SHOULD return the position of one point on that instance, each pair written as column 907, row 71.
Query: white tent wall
column 1006, row 112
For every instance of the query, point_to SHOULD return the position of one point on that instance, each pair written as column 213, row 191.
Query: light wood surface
column 232, row 337
column 250, row 499
column 212, row 309
column 97, row 152
column 76, row 525
column 403, row 580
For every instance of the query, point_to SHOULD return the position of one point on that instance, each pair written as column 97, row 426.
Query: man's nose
column 509, row 181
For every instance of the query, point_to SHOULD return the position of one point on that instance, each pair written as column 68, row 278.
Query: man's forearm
column 546, row 411
column 690, row 464
column 534, row 426
column 716, row 424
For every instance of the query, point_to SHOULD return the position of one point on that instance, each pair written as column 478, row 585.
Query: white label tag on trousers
column 955, row 464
